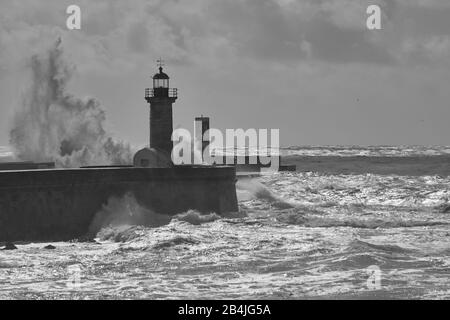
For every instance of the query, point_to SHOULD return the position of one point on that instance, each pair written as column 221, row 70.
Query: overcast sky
column 307, row 67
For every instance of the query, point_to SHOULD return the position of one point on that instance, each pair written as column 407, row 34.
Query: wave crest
column 53, row 125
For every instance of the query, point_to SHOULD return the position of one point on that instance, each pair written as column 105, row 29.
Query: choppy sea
column 297, row 235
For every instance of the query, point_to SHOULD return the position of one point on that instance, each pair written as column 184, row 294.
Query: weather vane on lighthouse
column 160, row 63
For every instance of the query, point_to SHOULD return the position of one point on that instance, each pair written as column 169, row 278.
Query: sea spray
column 6, row 154
column 122, row 214
column 126, row 211
column 248, row 189
column 196, row 218
column 53, row 125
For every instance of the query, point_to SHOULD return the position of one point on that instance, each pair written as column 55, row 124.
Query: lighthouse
column 160, row 98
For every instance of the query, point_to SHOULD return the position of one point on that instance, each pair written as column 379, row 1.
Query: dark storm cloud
column 426, row 20
column 260, row 29
column 315, row 57
column 273, row 31
column 338, row 45
column 279, row 31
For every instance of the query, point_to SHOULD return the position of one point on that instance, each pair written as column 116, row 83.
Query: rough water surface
column 298, row 235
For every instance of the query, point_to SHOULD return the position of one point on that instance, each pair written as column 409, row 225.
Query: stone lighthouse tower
column 161, row 98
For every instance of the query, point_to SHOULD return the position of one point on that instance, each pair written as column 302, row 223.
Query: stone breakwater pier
column 60, row 204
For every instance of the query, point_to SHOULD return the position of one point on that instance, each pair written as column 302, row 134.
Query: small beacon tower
column 201, row 127
column 161, row 98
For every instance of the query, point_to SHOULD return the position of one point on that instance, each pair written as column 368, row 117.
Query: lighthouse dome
column 160, row 75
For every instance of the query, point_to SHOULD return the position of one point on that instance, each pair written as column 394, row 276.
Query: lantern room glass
column 160, row 83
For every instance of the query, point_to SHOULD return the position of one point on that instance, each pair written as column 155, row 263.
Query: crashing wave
column 53, row 125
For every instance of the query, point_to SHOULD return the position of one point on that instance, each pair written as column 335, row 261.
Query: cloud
column 227, row 52
column 426, row 49
column 273, row 31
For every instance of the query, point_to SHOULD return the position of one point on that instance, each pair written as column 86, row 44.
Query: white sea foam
column 6, row 154
column 381, row 151
column 319, row 247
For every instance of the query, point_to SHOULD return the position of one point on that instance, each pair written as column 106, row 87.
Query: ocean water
column 297, row 235
column 380, row 151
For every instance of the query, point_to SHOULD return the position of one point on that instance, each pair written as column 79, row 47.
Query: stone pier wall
column 59, row 204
